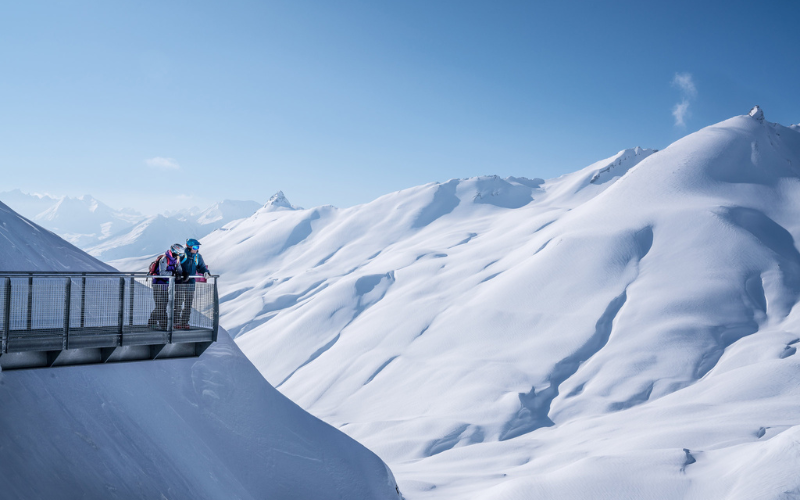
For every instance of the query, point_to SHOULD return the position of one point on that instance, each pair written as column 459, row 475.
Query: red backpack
column 153, row 271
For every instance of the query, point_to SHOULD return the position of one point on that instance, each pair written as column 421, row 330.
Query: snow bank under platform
column 181, row 428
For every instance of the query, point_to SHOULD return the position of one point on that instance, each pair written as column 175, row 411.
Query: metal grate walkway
column 53, row 319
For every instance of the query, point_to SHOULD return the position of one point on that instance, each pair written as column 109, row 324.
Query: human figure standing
column 167, row 264
column 190, row 264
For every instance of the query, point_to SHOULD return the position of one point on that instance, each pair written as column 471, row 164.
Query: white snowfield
column 625, row 331
column 192, row 428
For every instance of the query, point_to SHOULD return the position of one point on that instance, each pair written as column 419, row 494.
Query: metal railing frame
column 107, row 353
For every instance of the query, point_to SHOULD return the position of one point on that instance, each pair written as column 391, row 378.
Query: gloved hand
column 206, row 275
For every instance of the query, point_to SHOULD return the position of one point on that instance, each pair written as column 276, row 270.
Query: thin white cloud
column 680, row 111
column 159, row 162
column 684, row 83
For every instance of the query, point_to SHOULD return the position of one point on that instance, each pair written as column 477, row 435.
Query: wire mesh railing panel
column 3, row 283
column 72, row 311
column 76, row 292
column 142, row 307
column 194, row 305
column 18, row 314
column 101, row 303
column 48, row 303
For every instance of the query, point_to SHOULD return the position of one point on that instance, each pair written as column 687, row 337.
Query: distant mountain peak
column 757, row 113
column 278, row 201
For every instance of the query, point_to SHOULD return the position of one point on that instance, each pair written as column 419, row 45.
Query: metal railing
column 51, row 319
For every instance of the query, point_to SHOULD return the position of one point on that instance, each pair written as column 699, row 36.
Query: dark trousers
column 158, row 317
column 184, row 296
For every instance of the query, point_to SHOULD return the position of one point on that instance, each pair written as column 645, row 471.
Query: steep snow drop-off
column 208, row 427
column 180, row 429
column 628, row 330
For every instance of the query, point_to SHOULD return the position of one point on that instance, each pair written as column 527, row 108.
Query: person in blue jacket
column 191, row 264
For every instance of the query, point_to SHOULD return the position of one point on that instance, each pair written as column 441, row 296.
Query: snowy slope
column 180, row 429
column 25, row 246
column 628, row 330
column 208, row 427
column 225, row 211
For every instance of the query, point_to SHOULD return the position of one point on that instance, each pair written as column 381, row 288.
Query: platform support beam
column 155, row 350
column 52, row 357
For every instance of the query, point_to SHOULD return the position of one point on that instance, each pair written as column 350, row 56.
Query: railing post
column 215, row 327
column 170, row 307
column 67, row 302
column 29, row 315
column 83, row 299
column 121, row 306
column 6, row 314
column 130, row 303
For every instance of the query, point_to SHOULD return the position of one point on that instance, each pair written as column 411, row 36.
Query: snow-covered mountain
column 27, row 205
column 126, row 235
column 150, row 237
column 626, row 331
column 185, row 213
column 278, row 201
column 85, row 220
column 26, row 246
column 207, row 427
column 133, row 250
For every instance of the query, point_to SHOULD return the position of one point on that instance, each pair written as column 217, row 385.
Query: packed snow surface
column 625, row 331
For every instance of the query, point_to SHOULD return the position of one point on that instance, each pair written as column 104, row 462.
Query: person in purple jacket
column 167, row 264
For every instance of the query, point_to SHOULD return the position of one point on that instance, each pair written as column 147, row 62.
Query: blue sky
column 158, row 105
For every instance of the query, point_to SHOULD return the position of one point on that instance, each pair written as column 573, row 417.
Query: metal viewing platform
column 56, row 319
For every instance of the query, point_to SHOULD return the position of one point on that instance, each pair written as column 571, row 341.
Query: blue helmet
column 191, row 242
